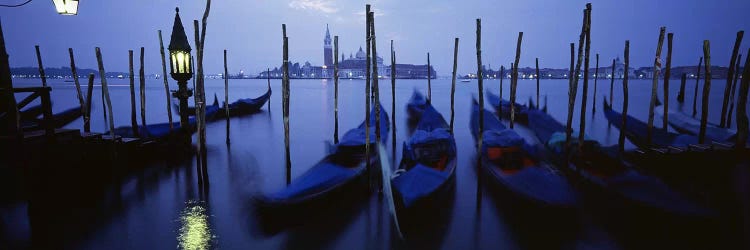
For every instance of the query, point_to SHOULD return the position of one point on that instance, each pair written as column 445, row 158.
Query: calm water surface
column 161, row 208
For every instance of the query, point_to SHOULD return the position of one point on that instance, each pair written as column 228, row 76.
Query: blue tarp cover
column 318, row 178
column 418, row 182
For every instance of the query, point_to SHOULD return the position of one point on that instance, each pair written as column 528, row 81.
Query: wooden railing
column 36, row 92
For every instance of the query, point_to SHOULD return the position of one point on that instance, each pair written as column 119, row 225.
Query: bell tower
column 327, row 50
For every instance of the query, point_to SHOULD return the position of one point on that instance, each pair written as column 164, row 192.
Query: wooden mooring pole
column 728, row 87
column 742, row 123
column 198, row 104
column 697, row 83
column 368, row 97
column 596, row 78
column 537, row 81
column 105, row 92
column 681, row 94
column 87, row 109
column 480, row 86
column 226, row 94
column 41, row 67
column 79, row 93
column 393, row 98
column 612, row 84
column 572, row 88
column 654, row 85
column 131, row 76
column 336, row 89
column 429, row 78
column 375, row 84
column 285, row 104
column 166, row 83
column 453, row 81
column 706, row 91
column 502, row 75
column 513, row 82
column 732, row 95
column 584, row 93
column 667, row 75
column 621, row 138
column 142, row 88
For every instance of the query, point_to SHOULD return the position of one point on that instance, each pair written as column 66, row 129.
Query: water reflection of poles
column 537, row 81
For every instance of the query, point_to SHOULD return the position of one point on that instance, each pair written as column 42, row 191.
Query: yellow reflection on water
column 195, row 232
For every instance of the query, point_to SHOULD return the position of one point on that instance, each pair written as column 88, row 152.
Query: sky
column 251, row 31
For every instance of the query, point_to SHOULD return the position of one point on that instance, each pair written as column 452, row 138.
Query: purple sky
column 251, row 30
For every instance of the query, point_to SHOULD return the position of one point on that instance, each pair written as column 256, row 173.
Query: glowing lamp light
column 179, row 51
column 66, row 7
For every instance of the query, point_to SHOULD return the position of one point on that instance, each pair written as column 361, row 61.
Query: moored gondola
column 340, row 178
column 510, row 164
column 425, row 179
column 637, row 131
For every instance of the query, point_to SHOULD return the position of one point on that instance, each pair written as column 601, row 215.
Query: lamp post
column 66, row 7
column 180, row 68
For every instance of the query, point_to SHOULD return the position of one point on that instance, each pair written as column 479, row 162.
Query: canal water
column 162, row 207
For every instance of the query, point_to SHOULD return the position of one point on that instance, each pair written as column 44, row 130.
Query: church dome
column 361, row 54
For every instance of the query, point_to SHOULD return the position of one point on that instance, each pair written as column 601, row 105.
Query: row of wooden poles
column 583, row 55
column 200, row 99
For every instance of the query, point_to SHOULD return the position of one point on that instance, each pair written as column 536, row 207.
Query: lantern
column 66, row 7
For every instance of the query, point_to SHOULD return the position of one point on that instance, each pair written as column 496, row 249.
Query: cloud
column 324, row 6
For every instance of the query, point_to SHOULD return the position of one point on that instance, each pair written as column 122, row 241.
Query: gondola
column 240, row 107
column 416, row 105
column 425, row 179
column 503, row 107
column 600, row 167
column 512, row 165
column 161, row 131
column 637, row 131
column 58, row 120
column 337, row 180
column 686, row 124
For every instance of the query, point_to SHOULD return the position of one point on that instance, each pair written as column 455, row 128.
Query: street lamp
column 66, row 7
column 179, row 58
